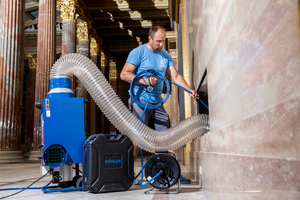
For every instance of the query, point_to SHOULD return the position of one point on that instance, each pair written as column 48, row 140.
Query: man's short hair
column 154, row 29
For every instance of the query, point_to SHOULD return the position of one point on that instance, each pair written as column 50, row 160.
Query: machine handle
column 162, row 151
column 39, row 106
column 109, row 135
column 166, row 151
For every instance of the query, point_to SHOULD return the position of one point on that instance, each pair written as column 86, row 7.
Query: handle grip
column 162, row 151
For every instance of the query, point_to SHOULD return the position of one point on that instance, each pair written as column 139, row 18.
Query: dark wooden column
column 30, row 102
column 105, row 71
column 46, row 56
column 113, row 81
column 11, row 72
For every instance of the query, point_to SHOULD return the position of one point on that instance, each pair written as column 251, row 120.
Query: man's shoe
column 184, row 180
column 136, row 181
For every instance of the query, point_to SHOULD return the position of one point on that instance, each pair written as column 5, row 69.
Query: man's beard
column 157, row 49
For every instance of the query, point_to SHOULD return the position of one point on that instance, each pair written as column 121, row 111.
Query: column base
column 11, row 157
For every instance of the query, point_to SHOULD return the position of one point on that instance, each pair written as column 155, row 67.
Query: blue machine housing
column 62, row 132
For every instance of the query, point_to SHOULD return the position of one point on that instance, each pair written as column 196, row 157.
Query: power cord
column 189, row 92
column 143, row 166
column 28, row 187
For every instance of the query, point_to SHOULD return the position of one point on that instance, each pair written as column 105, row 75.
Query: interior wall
column 251, row 51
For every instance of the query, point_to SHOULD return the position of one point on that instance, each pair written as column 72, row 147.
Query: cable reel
column 170, row 171
column 147, row 87
column 160, row 78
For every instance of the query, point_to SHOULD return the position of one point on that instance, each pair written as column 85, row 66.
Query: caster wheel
column 77, row 180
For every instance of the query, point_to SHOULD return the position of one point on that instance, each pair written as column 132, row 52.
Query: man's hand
column 194, row 94
column 150, row 81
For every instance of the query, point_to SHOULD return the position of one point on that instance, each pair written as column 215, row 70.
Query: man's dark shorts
column 159, row 115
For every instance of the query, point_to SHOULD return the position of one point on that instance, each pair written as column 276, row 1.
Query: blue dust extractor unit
column 62, row 130
column 107, row 163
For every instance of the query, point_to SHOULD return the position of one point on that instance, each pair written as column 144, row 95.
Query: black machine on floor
column 108, row 163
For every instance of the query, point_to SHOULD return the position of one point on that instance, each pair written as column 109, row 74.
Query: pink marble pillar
column 69, row 43
column 84, row 49
column 46, row 57
column 68, row 38
column 69, row 13
column 11, row 72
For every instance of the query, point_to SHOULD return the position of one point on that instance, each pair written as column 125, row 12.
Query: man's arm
column 127, row 75
column 178, row 79
column 127, row 72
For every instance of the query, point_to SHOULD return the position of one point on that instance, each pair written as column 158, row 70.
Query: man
column 152, row 56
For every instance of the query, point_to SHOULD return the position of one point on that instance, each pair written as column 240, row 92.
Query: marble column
column 95, row 113
column 46, row 56
column 84, row 49
column 83, row 37
column 69, row 13
column 30, row 102
column 11, row 72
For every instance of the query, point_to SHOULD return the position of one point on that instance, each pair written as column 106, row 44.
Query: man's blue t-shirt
column 145, row 59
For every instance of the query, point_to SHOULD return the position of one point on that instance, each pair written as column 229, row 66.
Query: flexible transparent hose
column 119, row 115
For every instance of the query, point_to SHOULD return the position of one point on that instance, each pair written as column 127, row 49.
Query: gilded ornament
column 94, row 47
column 113, row 72
column 102, row 58
column 82, row 31
column 31, row 58
column 68, row 10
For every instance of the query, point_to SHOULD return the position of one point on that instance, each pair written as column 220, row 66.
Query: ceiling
column 122, row 24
